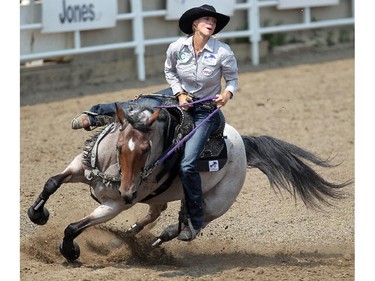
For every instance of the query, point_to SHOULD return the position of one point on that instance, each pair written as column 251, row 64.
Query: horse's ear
column 154, row 116
column 120, row 114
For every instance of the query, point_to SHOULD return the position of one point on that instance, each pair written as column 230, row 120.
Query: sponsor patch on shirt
column 184, row 56
column 207, row 71
column 210, row 59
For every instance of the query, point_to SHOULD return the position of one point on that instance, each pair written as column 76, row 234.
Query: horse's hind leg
column 69, row 248
column 154, row 212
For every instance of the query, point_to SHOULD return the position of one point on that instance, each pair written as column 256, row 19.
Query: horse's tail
column 282, row 163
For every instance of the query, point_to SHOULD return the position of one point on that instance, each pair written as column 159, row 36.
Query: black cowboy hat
column 187, row 18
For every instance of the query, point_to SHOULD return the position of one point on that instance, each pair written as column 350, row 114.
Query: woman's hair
column 194, row 27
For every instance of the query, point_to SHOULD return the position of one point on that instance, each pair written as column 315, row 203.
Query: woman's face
column 205, row 25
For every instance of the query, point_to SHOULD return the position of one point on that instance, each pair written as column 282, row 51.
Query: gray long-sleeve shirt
column 200, row 75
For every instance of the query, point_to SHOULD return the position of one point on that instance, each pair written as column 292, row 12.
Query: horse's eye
column 145, row 150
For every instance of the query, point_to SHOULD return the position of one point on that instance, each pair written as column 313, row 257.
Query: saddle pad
column 214, row 162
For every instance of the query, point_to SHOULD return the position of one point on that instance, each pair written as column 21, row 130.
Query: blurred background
column 66, row 44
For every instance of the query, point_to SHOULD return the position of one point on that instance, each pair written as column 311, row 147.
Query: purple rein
column 161, row 160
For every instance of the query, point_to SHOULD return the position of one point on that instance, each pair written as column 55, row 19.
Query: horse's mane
column 89, row 144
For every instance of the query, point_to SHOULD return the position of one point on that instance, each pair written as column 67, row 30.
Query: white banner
column 292, row 4
column 71, row 15
column 175, row 8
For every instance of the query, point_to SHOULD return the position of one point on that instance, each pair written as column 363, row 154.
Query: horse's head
column 134, row 148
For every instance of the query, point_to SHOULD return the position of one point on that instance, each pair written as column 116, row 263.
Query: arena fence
column 138, row 42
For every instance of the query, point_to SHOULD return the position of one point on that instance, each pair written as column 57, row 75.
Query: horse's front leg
column 37, row 213
column 153, row 213
column 69, row 248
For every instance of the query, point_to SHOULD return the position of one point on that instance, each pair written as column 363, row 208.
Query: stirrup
column 193, row 233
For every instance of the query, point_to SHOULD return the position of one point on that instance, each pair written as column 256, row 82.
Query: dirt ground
column 264, row 236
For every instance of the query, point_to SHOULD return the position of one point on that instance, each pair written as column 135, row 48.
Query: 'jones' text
column 77, row 13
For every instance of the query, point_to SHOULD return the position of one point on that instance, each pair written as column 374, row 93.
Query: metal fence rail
column 137, row 16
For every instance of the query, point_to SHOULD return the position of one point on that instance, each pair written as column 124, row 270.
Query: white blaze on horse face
column 131, row 144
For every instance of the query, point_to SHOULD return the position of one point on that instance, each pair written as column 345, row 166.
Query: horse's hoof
column 38, row 217
column 70, row 251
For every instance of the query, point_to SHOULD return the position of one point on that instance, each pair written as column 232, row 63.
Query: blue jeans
column 110, row 109
column 189, row 174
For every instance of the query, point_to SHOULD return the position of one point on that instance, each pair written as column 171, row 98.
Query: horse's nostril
column 129, row 197
column 135, row 194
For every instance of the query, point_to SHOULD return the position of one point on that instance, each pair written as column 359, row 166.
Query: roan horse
column 121, row 166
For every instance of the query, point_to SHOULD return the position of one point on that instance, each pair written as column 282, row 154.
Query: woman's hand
column 183, row 98
column 223, row 98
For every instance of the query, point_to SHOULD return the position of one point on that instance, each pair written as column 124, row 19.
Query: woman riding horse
column 194, row 67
